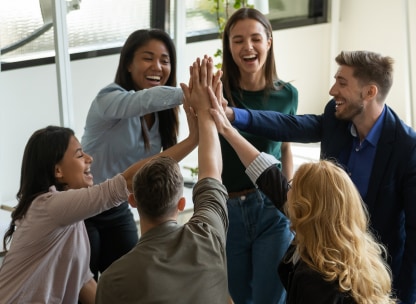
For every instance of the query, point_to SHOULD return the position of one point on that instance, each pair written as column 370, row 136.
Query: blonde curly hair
column 331, row 225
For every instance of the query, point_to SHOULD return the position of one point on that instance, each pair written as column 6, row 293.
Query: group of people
column 339, row 230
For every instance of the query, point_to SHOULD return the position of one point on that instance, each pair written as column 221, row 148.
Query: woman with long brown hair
column 130, row 119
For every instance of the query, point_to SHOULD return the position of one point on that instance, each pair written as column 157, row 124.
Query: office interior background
column 36, row 90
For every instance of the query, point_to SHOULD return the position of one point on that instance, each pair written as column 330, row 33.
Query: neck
column 252, row 82
column 365, row 122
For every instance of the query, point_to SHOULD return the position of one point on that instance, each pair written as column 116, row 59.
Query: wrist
column 230, row 114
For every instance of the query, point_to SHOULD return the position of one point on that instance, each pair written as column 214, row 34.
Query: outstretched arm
column 177, row 152
column 261, row 167
column 244, row 149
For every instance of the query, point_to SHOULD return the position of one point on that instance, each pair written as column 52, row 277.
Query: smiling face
column 74, row 168
column 348, row 94
column 151, row 65
column 249, row 46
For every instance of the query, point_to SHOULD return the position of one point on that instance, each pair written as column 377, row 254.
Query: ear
column 181, row 204
column 58, row 172
column 269, row 43
column 132, row 201
column 370, row 91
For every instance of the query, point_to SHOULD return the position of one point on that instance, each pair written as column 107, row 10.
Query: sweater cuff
column 259, row 165
column 241, row 118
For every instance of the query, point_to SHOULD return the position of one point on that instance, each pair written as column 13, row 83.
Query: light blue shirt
column 113, row 130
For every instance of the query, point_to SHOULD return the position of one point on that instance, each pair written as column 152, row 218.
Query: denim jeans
column 258, row 237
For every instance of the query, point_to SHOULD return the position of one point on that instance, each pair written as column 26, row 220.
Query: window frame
column 318, row 13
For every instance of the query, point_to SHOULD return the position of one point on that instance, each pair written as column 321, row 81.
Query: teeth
column 154, row 78
column 249, row 57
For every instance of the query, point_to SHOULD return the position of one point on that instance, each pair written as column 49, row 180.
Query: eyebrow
column 240, row 36
column 340, row 78
column 151, row 53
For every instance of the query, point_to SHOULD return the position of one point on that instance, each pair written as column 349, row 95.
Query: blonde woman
column 334, row 257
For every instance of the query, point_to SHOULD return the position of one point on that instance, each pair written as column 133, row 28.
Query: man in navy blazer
column 375, row 147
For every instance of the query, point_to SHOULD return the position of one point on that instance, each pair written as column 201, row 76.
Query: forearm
column 209, row 150
column 177, row 152
column 244, row 149
column 116, row 102
column 287, row 160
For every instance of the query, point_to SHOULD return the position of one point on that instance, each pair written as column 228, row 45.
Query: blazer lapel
column 382, row 157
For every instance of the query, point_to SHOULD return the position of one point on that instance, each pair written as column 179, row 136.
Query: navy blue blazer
column 391, row 195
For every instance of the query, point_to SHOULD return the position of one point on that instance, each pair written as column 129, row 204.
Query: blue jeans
column 258, row 237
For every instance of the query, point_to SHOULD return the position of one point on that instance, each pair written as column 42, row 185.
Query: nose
column 156, row 65
column 88, row 158
column 332, row 90
column 248, row 45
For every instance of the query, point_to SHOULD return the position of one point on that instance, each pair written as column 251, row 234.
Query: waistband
column 241, row 193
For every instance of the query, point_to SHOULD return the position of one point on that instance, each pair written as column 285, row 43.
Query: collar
column 375, row 132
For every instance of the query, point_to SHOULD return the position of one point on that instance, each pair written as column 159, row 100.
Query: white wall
column 380, row 26
column 29, row 100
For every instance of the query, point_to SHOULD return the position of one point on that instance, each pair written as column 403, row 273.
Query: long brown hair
column 45, row 148
column 168, row 119
column 231, row 73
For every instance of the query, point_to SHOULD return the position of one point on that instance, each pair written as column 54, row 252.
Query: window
column 201, row 21
column 27, row 36
column 100, row 27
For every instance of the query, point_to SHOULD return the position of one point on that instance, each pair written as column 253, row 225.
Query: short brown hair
column 370, row 67
column 157, row 187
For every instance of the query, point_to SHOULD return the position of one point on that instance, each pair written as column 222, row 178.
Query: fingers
column 195, row 72
column 216, row 80
column 210, row 70
column 186, row 96
column 190, row 77
column 202, row 77
column 218, row 93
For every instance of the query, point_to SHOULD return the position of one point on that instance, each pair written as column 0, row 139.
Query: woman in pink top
column 48, row 259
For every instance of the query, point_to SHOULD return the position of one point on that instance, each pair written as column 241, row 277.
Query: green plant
column 194, row 171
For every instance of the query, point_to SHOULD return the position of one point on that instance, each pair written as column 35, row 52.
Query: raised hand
column 218, row 113
column 201, row 79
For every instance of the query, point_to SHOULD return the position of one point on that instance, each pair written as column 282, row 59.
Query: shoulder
column 310, row 284
column 111, row 88
column 288, row 86
column 283, row 87
column 126, row 266
column 394, row 121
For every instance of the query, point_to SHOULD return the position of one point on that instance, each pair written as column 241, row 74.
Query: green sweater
column 285, row 100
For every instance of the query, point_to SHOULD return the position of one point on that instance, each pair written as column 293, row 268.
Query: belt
column 241, row 193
